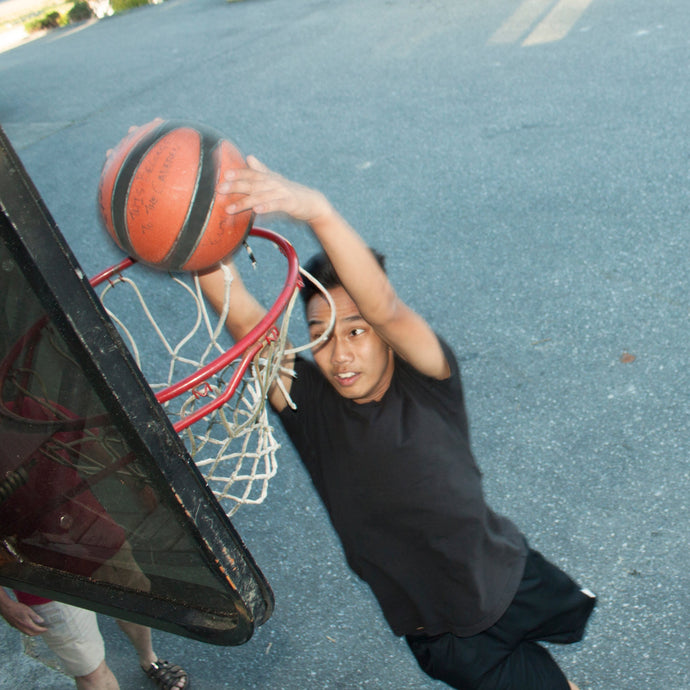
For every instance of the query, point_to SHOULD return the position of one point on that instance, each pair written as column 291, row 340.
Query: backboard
column 100, row 504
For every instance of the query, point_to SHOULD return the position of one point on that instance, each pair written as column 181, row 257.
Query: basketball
column 158, row 196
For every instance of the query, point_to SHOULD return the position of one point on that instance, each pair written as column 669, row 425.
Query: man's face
column 354, row 359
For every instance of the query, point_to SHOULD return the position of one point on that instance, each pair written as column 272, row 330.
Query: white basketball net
column 233, row 446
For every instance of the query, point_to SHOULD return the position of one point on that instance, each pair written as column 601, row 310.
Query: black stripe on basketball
column 192, row 231
column 124, row 178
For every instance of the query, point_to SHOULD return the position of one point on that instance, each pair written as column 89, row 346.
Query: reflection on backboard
column 100, row 504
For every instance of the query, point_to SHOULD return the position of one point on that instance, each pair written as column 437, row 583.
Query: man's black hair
column 321, row 268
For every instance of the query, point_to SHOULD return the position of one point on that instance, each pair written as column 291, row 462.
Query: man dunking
column 381, row 427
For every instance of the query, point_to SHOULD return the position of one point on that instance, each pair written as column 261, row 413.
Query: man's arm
column 20, row 616
column 244, row 312
column 361, row 276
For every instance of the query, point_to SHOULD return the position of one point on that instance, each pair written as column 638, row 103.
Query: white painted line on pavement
column 512, row 30
column 558, row 23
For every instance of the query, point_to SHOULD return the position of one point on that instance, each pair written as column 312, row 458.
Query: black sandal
column 165, row 675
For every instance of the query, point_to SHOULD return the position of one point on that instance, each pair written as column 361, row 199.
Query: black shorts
column 548, row 606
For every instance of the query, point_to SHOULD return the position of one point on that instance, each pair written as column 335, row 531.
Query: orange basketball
column 159, row 201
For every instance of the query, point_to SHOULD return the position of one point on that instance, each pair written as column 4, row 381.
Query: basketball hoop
column 215, row 396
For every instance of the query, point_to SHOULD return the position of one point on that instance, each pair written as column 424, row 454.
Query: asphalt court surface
column 525, row 168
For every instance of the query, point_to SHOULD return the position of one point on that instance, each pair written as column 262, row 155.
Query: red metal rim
column 245, row 349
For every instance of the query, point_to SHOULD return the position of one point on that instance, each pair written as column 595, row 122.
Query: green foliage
column 80, row 12
column 51, row 20
column 122, row 5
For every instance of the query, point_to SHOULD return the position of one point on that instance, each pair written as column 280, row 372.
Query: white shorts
column 73, row 635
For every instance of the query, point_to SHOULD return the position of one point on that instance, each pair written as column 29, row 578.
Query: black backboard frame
column 39, row 249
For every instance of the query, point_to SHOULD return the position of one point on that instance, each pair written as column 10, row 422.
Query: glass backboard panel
column 100, row 504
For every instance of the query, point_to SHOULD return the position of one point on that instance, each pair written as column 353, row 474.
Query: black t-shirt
column 404, row 494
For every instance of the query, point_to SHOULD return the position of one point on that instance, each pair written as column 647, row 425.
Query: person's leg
column 165, row 674
column 554, row 606
column 559, row 609
column 486, row 662
column 73, row 636
column 140, row 637
column 100, row 679
column 123, row 569
column 548, row 606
